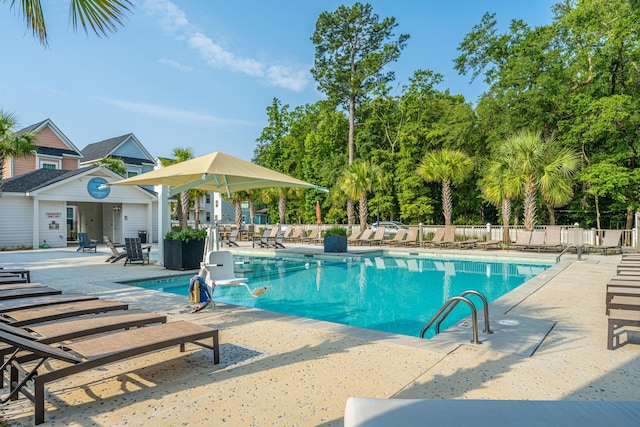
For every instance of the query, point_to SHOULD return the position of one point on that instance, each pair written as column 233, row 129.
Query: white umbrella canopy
column 217, row 172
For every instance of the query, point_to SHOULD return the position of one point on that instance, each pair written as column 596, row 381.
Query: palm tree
column 181, row 155
column 196, row 195
column 102, row 16
column 499, row 191
column 113, row 164
column 356, row 181
column 12, row 144
column 539, row 166
column 449, row 167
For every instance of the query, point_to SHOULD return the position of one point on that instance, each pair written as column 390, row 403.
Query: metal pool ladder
column 451, row 304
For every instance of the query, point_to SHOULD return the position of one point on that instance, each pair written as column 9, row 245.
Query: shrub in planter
column 183, row 249
column 335, row 240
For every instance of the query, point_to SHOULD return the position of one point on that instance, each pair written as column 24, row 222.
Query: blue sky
column 200, row 74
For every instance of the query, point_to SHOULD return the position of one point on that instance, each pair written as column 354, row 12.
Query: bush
column 186, row 235
column 336, row 231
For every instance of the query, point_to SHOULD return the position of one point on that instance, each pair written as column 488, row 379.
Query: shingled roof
column 37, row 179
column 101, row 149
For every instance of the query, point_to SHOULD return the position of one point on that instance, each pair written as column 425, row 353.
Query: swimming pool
column 390, row 294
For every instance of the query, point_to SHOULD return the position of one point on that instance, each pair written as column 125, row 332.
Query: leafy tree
column 113, row 164
column 449, row 167
column 102, row 16
column 538, row 166
column 356, row 181
column 352, row 49
column 181, row 155
column 13, row 144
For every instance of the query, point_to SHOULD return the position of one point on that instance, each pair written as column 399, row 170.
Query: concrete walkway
column 275, row 370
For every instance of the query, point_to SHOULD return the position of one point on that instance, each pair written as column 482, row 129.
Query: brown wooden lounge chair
column 11, row 278
column 80, row 326
column 64, row 310
column 522, row 239
column 10, row 294
column 25, row 274
column 619, row 318
column 41, row 301
column 93, row 352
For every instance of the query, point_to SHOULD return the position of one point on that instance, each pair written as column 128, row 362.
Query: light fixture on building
column 116, row 208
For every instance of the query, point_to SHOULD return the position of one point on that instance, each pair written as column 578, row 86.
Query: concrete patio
column 278, row 370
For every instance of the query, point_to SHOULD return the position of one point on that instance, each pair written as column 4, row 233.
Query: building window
column 216, row 203
column 208, row 216
column 48, row 165
column 208, row 198
column 131, row 173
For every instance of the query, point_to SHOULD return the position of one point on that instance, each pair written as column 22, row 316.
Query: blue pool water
column 391, row 294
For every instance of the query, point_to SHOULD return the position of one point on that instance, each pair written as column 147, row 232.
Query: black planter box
column 183, row 255
column 335, row 243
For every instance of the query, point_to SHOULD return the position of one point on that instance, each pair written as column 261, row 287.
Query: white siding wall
column 53, row 224
column 16, row 223
column 134, row 218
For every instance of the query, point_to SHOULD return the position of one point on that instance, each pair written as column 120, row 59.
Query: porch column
column 36, row 223
column 163, row 218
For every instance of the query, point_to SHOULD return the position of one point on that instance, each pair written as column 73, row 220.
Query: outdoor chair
column 537, row 240
column 313, row 237
column 611, row 241
column 522, row 239
column 9, row 278
column 92, row 353
column 397, row 239
column 23, row 316
column 365, row 236
column 84, row 243
column 295, row 236
column 34, row 291
column 377, row 238
column 412, row 237
column 262, row 241
column 553, row 239
column 353, row 237
column 436, row 239
column 117, row 255
column 24, row 274
column 135, row 251
column 42, row 301
column 278, row 242
column 231, row 240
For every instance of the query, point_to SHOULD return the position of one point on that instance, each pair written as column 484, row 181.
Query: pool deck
column 549, row 343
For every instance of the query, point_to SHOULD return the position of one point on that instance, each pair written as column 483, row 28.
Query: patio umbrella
column 318, row 213
column 217, row 172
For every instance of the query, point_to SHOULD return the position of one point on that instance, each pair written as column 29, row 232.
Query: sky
column 201, row 73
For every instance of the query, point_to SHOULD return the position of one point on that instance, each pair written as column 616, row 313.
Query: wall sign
column 93, row 187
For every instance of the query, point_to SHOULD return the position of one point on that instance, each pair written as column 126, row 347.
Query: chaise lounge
column 90, row 353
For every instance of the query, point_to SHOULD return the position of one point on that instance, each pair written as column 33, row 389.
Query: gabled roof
column 37, row 127
column 41, row 178
column 102, row 149
column 37, row 179
column 56, row 152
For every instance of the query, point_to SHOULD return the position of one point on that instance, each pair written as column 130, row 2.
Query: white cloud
column 172, row 114
column 175, row 64
column 174, row 20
